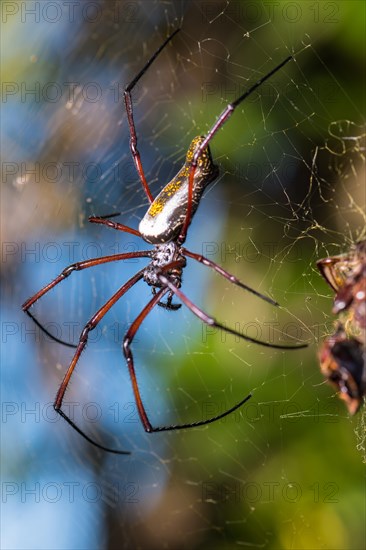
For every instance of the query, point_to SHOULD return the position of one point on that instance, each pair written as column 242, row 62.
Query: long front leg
column 131, row 123
column 225, row 115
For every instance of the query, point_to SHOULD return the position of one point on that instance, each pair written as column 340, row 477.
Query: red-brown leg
column 66, row 273
column 93, row 322
column 127, row 341
column 114, row 225
column 212, row 322
column 78, row 266
column 188, row 218
column 226, row 113
column 205, row 261
column 133, row 145
column 130, row 363
column 131, row 124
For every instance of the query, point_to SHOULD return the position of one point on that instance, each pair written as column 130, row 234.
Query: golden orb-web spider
column 164, row 225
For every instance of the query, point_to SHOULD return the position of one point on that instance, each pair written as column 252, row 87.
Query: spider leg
column 212, row 322
column 91, row 325
column 130, row 334
column 205, row 261
column 66, row 273
column 45, row 331
column 105, row 216
column 114, row 225
column 226, row 113
column 131, row 124
column 127, row 341
column 203, row 422
column 168, row 304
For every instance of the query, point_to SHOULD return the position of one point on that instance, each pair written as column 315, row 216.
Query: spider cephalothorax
column 164, row 225
column 164, row 256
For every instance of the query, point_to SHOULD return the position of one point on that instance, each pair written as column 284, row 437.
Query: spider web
column 285, row 470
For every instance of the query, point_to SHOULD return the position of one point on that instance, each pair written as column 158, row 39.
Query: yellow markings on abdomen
column 169, row 191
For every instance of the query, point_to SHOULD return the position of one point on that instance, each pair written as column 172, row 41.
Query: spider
column 342, row 355
column 165, row 226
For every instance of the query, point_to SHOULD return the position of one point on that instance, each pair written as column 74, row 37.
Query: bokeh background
column 287, row 471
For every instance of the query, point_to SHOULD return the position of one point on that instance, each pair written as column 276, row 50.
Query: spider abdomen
column 166, row 215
